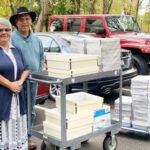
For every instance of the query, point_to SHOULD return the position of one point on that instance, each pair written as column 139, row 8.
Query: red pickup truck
column 124, row 27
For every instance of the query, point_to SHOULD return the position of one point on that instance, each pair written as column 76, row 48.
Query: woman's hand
column 15, row 86
column 20, row 82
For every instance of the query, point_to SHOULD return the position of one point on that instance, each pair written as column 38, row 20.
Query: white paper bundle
column 77, row 46
column 71, row 65
column 126, row 103
column 71, row 61
column 72, row 120
column 140, row 124
column 55, row 130
column 126, row 110
column 140, row 98
column 140, row 115
column 107, row 50
column 81, row 102
column 140, row 91
column 140, row 82
column 140, row 104
column 110, row 52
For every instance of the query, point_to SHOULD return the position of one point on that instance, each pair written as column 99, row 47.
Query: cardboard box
column 102, row 118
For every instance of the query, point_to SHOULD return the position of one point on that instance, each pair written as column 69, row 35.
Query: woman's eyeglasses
column 6, row 30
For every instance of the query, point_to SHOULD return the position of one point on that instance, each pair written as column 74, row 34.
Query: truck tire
column 140, row 65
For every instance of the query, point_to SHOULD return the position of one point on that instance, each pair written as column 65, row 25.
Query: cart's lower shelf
column 37, row 131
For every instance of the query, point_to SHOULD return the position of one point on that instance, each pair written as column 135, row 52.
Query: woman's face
column 5, row 33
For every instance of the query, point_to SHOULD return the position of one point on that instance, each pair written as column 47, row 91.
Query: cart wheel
column 110, row 143
column 84, row 142
column 49, row 146
column 43, row 146
column 69, row 148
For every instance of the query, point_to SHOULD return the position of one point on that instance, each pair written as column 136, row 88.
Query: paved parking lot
column 127, row 140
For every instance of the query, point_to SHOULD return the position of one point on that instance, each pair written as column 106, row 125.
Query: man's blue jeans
column 33, row 89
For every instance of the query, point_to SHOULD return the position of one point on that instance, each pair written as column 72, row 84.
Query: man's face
column 23, row 23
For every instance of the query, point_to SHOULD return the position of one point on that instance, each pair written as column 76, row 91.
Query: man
column 32, row 50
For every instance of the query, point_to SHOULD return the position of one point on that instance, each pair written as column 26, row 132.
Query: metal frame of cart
column 109, row 143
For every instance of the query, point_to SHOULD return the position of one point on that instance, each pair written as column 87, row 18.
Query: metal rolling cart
column 110, row 141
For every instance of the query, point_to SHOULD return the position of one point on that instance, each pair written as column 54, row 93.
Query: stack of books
column 80, row 108
column 71, row 65
column 140, row 91
column 126, row 110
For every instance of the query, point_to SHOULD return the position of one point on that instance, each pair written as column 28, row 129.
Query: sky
column 143, row 10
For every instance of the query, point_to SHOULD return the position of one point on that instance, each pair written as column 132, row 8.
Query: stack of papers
column 76, row 125
column 110, row 54
column 81, row 102
column 126, row 110
column 71, row 65
column 80, row 109
column 140, row 90
column 107, row 50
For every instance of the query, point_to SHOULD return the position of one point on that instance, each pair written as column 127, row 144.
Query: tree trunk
column 11, row 7
column 45, row 4
column 78, row 6
column 107, row 6
column 92, row 10
column 137, row 8
column 139, row 2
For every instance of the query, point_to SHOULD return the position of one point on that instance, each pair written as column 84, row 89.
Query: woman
column 13, row 72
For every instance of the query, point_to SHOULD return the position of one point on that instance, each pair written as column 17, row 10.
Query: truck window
column 56, row 25
column 122, row 23
column 74, row 24
column 92, row 24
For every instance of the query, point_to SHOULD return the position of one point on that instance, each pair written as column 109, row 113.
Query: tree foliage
column 61, row 7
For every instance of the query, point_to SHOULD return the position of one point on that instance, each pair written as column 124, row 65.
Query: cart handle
column 44, row 81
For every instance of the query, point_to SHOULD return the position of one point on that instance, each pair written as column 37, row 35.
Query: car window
column 46, row 41
column 54, row 47
column 92, row 24
column 74, row 24
column 56, row 25
column 49, row 44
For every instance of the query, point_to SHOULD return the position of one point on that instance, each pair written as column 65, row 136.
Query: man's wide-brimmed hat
column 22, row 10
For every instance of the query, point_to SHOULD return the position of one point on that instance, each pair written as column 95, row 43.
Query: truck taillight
column 45, row 65
column 132, row 63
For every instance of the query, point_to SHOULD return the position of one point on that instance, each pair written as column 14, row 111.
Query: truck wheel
column 140, row 65
column 54, row 90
